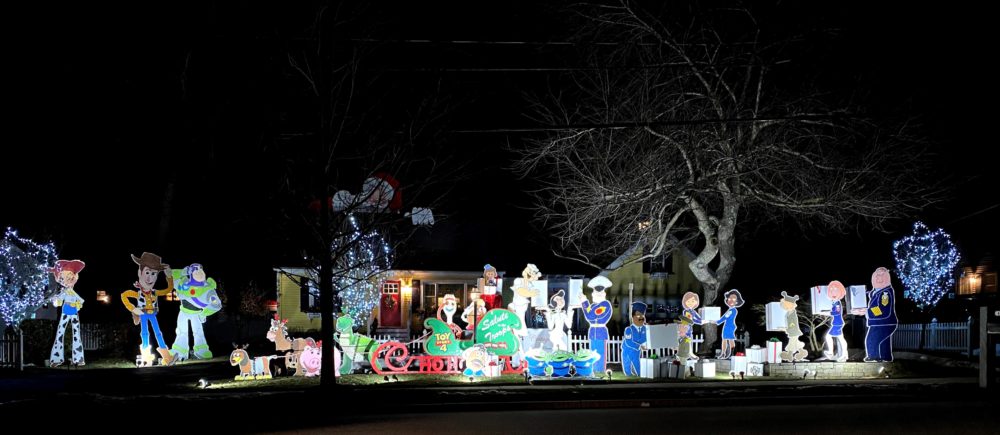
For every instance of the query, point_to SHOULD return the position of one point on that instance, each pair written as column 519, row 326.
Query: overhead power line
column 639, row 124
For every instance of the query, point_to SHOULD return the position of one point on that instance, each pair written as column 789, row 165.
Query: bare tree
column 682, row 131
column 360, row 132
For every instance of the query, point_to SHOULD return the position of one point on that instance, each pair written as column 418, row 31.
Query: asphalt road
column 945, row 417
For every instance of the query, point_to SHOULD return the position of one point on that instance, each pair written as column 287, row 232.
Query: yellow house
column 659, row 282
column 407, row 298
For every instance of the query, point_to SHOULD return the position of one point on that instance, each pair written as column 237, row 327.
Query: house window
column 390, row 288
column 309, row 302
column 658, row 267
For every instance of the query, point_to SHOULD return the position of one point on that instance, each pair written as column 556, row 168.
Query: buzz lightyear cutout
column 199, row 299
column 67, row 272
column 598, row 313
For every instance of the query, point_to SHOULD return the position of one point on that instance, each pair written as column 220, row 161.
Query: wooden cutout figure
column 490, row 287
column 523, row 292
column 634, row 340
column 446, row 313
column 199, row 300
column 471, row 320
column 250, row 368
column 690, row 302
column 685, row 339
column 476, row 360
column 558, row 321
column 598, row 314
column 67, row 272
column 733, row 300
column 146, row 307
column 881, row 317
column 836, row 292
column 795, row 350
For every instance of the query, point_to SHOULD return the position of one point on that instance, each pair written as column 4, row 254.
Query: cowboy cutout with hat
column 67, row 272
column 146, row 307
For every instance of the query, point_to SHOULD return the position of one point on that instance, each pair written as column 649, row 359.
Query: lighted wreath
column 389, row 301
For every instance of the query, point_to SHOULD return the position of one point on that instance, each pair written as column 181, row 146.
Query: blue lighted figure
column 634, row 340
column 881, row 317
column 598, row 314
column 734, row 300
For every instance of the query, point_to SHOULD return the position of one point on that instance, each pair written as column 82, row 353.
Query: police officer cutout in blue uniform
column 634, row 340
column 598, row 314
column 881, row 317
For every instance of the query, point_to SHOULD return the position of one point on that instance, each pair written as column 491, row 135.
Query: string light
column 925, row 261
column 364, row 262
column 25, row 274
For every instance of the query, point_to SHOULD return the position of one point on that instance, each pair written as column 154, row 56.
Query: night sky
column 106, row 103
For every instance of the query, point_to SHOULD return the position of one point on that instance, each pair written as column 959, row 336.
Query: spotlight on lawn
column 203, row 383
column 608, row 373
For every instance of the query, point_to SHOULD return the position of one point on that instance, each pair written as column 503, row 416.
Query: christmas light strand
column 364, row 261
column 926, row 261
column 25, row 276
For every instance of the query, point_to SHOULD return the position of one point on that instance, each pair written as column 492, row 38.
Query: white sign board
column 857, row 298
column 775, row 317
column 575, row 293
column 541, row 298
column 821, row 304
column 662, row 336
column 710, row 314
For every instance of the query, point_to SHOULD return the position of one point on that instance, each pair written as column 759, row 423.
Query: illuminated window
column 390, row 287
column 103, row 297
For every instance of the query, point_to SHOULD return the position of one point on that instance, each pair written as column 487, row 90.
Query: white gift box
column 857, row 298
column 541, row 298
column 776, row 317
column 650, row 368
column 756, row 354
column 492, row 370
column 821, row 304
column 739, row 364
column 677, row 371
column 755, row 369
column 773, row 353
column 662, row 336
column 704, row 369
column 575, row 293
column 710, row 314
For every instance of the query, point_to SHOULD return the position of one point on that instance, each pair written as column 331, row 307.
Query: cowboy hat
column 149, row 260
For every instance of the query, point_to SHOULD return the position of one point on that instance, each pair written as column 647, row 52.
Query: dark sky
column 106, row 102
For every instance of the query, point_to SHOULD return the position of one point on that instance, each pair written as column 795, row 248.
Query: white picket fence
column 577, row 342
column 10, row 349
column 947, row 336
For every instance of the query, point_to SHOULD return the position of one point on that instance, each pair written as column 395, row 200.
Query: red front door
column 390, row 311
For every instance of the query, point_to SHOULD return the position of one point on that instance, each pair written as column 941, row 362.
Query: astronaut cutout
column 558, row 321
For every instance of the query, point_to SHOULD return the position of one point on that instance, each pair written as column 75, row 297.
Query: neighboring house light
column 103, row 297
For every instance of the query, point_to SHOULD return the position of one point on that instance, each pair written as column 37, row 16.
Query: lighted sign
column 67, row 272
column 199, row 300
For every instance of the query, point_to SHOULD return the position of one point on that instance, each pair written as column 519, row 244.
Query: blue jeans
column 144, row 330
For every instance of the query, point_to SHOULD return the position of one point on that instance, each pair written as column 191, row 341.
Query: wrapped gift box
column 756, row 354
column 857, row 299
column 775, row 317
column 755, row 369
column 739, row 364
column 492, row 370
column 821, row 304
column 677, row 370
column 773, row 353
column 710, row 314
column 650, row 368
column 704, row 369
column 663, row 336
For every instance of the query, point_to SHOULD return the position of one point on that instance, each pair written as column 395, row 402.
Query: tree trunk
column 328, row 376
